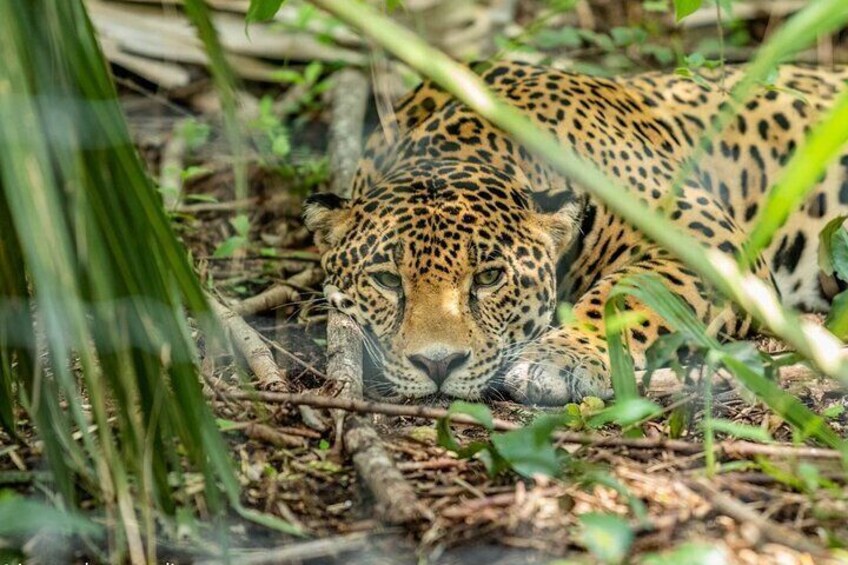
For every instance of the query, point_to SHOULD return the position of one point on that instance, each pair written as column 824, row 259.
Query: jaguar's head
column 446, row 267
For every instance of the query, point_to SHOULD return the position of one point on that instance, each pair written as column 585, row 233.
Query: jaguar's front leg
column 565, row 365
column 571, row 362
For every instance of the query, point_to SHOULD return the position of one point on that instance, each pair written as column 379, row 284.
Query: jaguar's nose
column 439, row 364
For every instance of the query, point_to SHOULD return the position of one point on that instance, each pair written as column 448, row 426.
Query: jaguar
column 457, row 244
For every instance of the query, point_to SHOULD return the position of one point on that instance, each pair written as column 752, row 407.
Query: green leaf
column 626, row 412
column 606, row 536
column 229, row 246
column 281, row 146
column 479, row 412
column 262, row 10
column 529, row 450
column 826, row 240
column 621, row 363
column 737, row 430
column 201, row 198
column 193, row 172
column 227, row 425
column 241, row 224
column 655, row 6
column 285, row 75
column 839, row 253
column 683, row 8
column 624, row 36
column 833, row 412
column 837, row 317
column 23, row 516
column 564, row 37
column 665, row 352
column 690, row 553
column 312, row 71
column 195, row 133
column 679, row 420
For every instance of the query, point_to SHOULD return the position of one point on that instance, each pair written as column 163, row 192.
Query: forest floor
column 766, row 502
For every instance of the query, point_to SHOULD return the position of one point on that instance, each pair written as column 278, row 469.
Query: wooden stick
column 280, row 294
column 304, row 551
column 350, row 98
column 730, row 448
column 745, row 515
column 258, row 356
column 397, row 502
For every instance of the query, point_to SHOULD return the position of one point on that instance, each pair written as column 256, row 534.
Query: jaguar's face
column 447, row 270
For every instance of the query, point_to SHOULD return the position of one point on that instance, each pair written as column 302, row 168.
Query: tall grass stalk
column 93, row 284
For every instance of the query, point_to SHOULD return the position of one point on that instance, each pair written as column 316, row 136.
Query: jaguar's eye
column 489, row 277
column 387, row 280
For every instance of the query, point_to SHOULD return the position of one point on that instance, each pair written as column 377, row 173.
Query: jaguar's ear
column 326, row 215
column 562, row 225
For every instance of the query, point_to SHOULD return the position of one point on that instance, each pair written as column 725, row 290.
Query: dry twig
column 278, row 295
column 740, row 512
column 259, row 358
column 730, row 448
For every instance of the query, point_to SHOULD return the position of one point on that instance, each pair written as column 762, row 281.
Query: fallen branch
column 259, row 358
column 730, row 448
column 350, row 97
column 279, row 295
column 304, row 551
column 272, row 436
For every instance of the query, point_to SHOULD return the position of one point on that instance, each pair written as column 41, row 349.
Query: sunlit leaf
column 739, row 430
column 626, row 412
column 445, row 437
column 529, row 450
column 263, row 10
column 683, row 8
column 606, row 536
column 689, row 553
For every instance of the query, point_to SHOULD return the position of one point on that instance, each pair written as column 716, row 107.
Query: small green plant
column 606, row 536
column 239, row 241
column 309, row 83
column 274, row 143
column 528, row 450
column 833, row 262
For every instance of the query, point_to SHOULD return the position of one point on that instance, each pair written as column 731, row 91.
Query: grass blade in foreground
column 811, row 341
column 651, row 292
column 109, row 282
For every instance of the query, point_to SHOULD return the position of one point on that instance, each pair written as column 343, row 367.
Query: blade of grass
column 650, row 291
column 225, row 84
column 816, row 344
column 109, row 281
